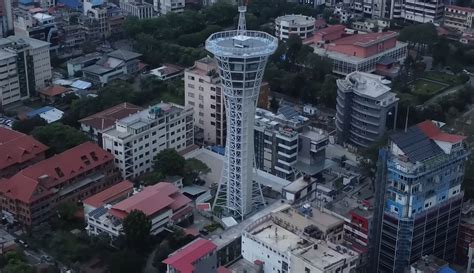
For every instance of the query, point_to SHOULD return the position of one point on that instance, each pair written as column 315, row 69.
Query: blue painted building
column 423, row 196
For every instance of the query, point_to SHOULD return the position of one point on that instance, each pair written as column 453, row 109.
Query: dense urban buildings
column 294, row 24
column 356, row 52
column 287, row 146
column 459, row 18
column 18, row 151
column 33, row 195
column 136, row 139
column 95, row 125
column 422, row 210
column 203, row 92
column 116, row 64
column 241, row 57
column 290, row 241
column 365, row 109
column 162, row 203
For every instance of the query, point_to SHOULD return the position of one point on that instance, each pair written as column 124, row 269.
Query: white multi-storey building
column 287, row 241
column 97, row 10
column 39, row 52
column 203, row 92
column 135, row 140
column 139, row 9
column 294, row 24
column 10, row 88
column 460, row 18
column 166, row 6
column 26, row 67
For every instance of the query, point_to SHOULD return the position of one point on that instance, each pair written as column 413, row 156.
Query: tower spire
column 242, row 28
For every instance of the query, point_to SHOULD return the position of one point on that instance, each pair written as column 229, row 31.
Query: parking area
column 6, row 122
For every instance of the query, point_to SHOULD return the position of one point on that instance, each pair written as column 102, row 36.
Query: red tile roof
column 151, row 200
column 54, row 90
column 182, row 260
column 116, row 191
column 365, row 40
column 38, row 180
column 330, row 29
column 107, row 118
column 16, row 148
column 433, row 132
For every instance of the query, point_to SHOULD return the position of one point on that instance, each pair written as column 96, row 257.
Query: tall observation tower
column 241, row 57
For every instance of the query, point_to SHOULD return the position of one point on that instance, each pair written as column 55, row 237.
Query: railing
column 270, row 43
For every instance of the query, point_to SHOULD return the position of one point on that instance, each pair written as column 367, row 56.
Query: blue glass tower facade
column 423, row 196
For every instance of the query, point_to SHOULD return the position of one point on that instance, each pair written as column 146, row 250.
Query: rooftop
column 53, row 90
column 86, row 58
column 319, row 253
column 297, row 19
column 34, row 43
column 323, row 221
column 107, row 118
column 184, row 258
column 16, row 148
column 151, row 200
column 143, row 118
column 429, row 264
column 367, row 39
column 124, row 55
column 368, row 85
column 110, row 194
column 43, row 178
column 419, row 142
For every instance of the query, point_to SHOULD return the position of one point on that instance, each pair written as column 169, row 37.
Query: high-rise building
column 241, row 57
column 203, row 92
column 365, row 109
column 422, row 198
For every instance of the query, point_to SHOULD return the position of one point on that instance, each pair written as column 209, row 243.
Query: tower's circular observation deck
column 233, row 44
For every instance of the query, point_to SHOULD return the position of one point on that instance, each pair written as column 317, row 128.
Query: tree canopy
column 168, row 162
column 137, row 227
column 27, row 125
column 58, row 137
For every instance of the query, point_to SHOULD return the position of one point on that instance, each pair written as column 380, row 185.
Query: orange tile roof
column 106, row 119
column 16, row 148
column 53, row 90
column 40, row 179
column 365, row 39
column 151, row 200
column 123, row 188
column 183, row 259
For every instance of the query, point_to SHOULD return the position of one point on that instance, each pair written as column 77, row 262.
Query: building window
column 191, row 94
column 191, row 85
column 191, row 78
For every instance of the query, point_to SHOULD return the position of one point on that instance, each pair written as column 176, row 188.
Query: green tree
column 137, row 227
column 193, row 168
column 67, row 211
column 441, row 52
column 58, row 137
column 126, row 261
column 16, row 263
column 27, row 125
column 169, row 162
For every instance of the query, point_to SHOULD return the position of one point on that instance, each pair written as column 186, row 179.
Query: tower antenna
column 242, row 27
